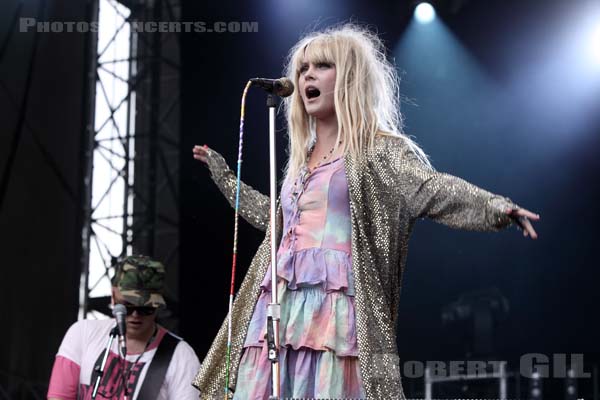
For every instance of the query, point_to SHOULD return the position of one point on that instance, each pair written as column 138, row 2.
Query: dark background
column 494, row 99
column 40, row 228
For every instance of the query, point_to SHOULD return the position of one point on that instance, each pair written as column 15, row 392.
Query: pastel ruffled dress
column 319, row 353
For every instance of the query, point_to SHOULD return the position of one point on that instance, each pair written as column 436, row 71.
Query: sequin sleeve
column 448, row 199
column 254, row 206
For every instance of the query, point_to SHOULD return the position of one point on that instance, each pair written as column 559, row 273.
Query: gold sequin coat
column 389, row 188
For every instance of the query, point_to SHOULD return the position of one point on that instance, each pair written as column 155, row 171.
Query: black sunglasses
column 141, row 310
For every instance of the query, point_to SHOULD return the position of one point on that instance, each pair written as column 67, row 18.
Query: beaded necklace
column 325, row 158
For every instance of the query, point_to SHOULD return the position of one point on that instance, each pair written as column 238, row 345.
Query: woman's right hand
column 201, row 153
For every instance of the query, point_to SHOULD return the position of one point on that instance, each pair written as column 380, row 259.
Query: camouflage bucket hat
column 140, row 280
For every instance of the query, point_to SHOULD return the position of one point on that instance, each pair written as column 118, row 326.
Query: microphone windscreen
column 284, row 87
column 119, row 309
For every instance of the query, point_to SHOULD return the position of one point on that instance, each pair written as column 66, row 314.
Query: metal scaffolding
column 131, row 155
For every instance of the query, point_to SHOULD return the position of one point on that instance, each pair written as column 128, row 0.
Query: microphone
column 120, row 312
column 282, row 87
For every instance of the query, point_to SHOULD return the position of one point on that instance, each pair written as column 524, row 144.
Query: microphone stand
column 274, row 308
column 100, row 369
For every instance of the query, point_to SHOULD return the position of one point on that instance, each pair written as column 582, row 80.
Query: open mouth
column 312, row 92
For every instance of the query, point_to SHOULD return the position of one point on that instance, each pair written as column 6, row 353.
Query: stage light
column 424, row 13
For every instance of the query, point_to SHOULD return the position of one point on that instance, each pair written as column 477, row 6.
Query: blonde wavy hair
column 367, row 96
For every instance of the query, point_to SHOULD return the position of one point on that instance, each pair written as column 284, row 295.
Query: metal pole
column 427, row 383
column 153, row 133
column 128, row 172
column 502, row 381
column 274, row 307
column 87, row 158
column 100, row 369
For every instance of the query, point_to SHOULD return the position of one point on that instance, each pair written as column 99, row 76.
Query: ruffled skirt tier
column 318, row 350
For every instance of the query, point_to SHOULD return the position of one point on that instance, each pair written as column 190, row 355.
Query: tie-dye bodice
column 315, row 246
column 316, row 209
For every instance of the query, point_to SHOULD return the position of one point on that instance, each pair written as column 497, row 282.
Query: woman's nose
column 309, row 72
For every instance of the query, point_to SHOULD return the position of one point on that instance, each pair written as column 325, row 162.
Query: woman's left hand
column 522, row 218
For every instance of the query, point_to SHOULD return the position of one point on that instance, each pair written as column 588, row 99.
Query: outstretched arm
column 455, row 202
column 254, row 206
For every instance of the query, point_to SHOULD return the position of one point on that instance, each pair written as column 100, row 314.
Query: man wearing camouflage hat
column 158, row 365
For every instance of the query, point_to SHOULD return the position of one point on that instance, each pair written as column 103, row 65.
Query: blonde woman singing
column 353, row 189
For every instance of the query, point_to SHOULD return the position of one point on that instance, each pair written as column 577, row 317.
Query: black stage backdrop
column 41, row 99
